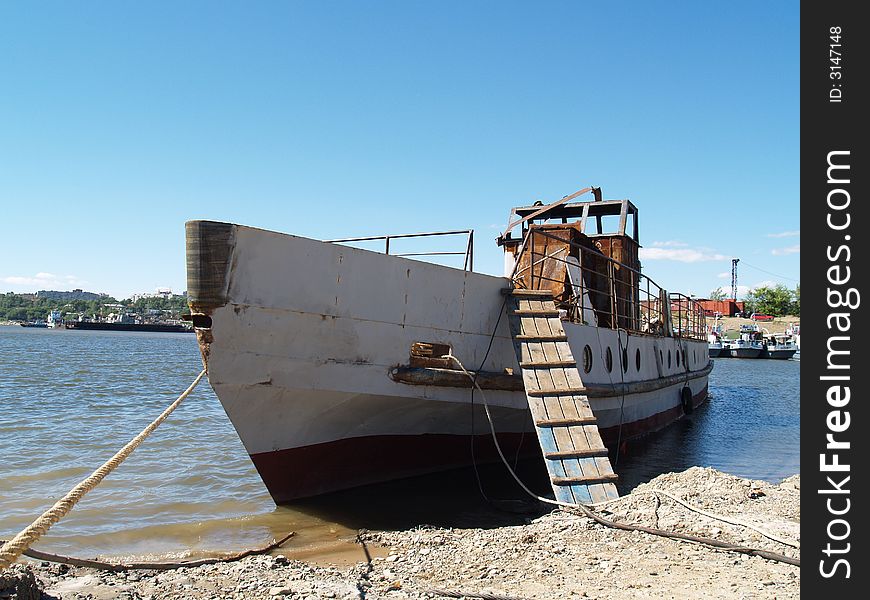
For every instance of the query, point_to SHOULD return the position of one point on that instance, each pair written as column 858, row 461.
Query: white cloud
column 724, row 275
column 670, row 244
column 784, row 234
column 686, row 255
column 43, row 281
column 788, row 250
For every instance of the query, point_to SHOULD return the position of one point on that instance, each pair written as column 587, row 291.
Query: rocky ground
column 558, row 555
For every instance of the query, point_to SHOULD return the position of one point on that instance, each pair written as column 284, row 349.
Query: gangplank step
column 541, row 338
column 579, row 453
column 568, row 391
column 548, row 364
column 604, row 478
column 570, row 422
column 527, row 293
column 532, row 312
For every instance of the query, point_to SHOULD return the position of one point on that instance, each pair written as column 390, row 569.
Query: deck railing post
column 613, row 316
column 532, row 262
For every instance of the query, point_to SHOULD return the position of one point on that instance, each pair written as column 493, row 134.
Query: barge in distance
column 143, row 327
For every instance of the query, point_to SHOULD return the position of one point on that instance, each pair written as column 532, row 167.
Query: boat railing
column 468, row 253
column 607, row 292
column 688, row 316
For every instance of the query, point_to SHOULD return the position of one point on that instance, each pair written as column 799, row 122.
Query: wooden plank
column 542, row 338
column 536, row 313
column 535, row 353
column 527, row 324
column 547, row 364
column 550, row 422
column 523, row 292
column 575, row 474
column 571, row 480
column 570, row 410
column 593, row 436
column 537, row 408
column 566, row 391
column 530, row 381
column 576, row 453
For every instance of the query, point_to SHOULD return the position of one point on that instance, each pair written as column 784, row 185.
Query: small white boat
column 794, row 333
column 55, row 320
column 748, row 345
column 715, row 347
column 778, row 346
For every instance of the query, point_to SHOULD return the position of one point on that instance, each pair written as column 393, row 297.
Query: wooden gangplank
column 577, row 461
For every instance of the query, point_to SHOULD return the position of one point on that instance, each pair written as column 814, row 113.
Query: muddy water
column 70, row 399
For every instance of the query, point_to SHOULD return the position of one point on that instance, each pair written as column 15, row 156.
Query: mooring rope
column 14, row 548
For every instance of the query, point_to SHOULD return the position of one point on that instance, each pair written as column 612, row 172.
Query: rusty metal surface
column 606, row 287
column 551, row 206
column 209, row 249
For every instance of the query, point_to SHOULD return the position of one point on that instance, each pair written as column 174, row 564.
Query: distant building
column 165, row 293
column 77, row 294
column 726, row 308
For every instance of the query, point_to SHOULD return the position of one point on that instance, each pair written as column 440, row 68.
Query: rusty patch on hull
column 205, row 338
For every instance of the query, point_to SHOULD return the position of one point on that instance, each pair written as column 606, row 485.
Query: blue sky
column 334, row 119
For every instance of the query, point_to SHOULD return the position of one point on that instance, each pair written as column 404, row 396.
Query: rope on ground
column 481, row 595
column 587, row 511
column 155, row 566
column 700, row 511
column 15, row 547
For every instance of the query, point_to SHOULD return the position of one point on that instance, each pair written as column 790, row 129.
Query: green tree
column 796, row 303
column 776, row 300
column 718, row 294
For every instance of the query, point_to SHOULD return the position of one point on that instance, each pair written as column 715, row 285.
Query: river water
column 70, row 399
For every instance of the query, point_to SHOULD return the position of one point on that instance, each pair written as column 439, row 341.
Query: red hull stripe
column 320, row 468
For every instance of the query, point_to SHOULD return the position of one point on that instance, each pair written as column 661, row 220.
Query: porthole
column 669, row 359
column 625, row 360
column 587, row 359
column 637, row 358
column 608, row 360
column 661, row 357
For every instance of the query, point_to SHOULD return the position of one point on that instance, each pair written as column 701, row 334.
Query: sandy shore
column 558, row 555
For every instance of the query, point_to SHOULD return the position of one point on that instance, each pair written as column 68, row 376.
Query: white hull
column 304, row 334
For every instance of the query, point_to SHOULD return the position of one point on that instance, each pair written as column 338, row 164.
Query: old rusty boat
column 333, row 362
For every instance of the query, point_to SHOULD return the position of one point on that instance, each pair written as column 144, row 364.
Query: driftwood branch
column 155, row 566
